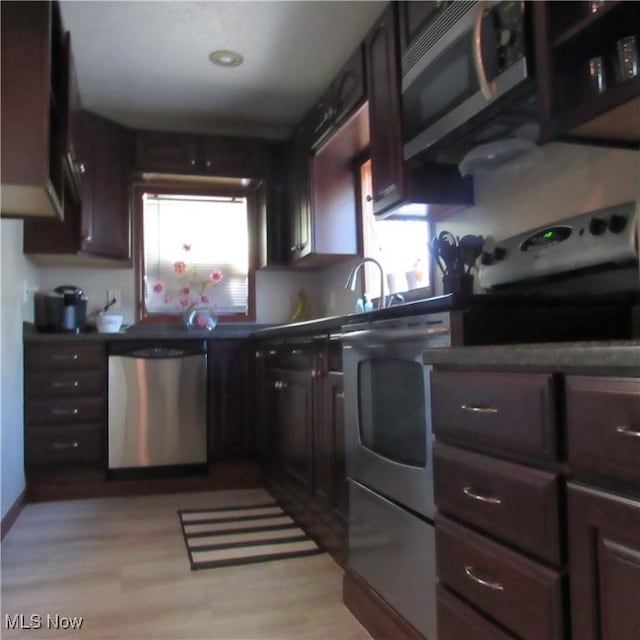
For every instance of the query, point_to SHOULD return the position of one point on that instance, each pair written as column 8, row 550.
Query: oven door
column 387, row 413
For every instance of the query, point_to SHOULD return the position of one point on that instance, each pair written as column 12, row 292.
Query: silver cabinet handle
column 65, row 445
column 258, row 354
column 488, row 88
column 476, row 408
column 340, row 394
column 490, row 584
column 272, row 352
column 296, row 352
column 63, row 357
column 65, row 412
column 470, row 493
column 625, row 431
column 57, row 384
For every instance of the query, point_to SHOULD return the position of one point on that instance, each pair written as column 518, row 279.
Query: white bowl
column 109, row 322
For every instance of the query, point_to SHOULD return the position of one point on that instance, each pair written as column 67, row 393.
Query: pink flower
column 204, row 299
column 158, row 287
column 185, row 302
column 216, row 276
column 201, row 321
column 179, row 267
column 186, row 290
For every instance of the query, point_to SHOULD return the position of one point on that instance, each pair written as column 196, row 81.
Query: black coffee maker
column 63, row 310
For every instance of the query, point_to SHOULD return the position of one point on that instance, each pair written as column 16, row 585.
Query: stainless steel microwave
column 468, row 79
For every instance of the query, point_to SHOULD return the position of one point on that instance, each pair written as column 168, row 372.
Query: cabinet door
column 235, row 157
column 329, row 452
column 293, row 429
column 604, row 564
column 321, row 118
column 349, row 87
column 168, row 152
column 230, row 432
column 106, row 218
column 300, row 194
column 384, row 112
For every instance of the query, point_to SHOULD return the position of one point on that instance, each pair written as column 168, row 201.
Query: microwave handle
column 488, row 88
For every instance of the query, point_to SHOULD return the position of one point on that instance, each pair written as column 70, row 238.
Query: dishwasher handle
column 158, row 349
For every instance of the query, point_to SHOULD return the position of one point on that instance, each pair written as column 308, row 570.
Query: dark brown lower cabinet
column 231, row 432
column 604, row 561
column 292, row 432
column 458, row 621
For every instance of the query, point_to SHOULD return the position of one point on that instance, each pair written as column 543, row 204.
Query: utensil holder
column 460, row 284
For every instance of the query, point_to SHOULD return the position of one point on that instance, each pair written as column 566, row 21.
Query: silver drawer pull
column 470, row 493
column 625, row 431
column 340, row 395
column 65, row 445
column 470, row 571
column 65, row 412
column 65, row 356
column 475, row 408
column 74, row 384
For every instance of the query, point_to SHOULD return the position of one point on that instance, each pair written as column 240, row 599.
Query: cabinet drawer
column 64, row 411
column 457, row 621
column 510, row 412
column 64, row 356
column 603, row 423
column 523, row 595
column 77, row 443
column 85, row 383
column 513, row 502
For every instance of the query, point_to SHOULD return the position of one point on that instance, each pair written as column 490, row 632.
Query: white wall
column 16, row 274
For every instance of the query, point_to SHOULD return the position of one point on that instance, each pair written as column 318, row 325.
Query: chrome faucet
column 353, row 277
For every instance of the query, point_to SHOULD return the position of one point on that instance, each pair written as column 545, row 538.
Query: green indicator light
column 547, row 235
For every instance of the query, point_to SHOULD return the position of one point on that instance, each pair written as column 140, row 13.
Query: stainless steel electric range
column 577, row 279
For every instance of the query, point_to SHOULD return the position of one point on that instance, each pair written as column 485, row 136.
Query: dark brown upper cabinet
column 570, row 38
column 165, row 152
column 99, row 225
column 190, row 154
column 394, row 181
column 34, row 110
column 299, row 162
column 346, row 93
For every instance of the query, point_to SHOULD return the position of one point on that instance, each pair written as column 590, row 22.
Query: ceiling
column 145, row 64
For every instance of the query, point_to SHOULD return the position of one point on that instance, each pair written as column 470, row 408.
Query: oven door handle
column 385, row 336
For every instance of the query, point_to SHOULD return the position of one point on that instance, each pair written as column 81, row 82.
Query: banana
column 302, row 308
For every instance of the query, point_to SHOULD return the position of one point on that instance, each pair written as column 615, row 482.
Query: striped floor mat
column 242, row 535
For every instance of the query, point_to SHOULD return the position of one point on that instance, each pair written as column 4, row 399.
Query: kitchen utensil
column 470, row 249
column 109, row 305
column 435, row 251
column 449, row 251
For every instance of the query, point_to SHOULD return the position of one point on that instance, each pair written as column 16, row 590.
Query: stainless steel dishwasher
column 157, row 406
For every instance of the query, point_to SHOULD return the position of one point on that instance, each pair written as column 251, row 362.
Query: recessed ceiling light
column 226, row 58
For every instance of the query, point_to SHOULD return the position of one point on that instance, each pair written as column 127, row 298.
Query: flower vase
column 199, row 316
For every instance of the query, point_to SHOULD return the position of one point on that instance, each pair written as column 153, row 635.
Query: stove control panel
column 587, row 240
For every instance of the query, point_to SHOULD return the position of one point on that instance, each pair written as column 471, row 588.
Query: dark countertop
column 148, row 332
column 611, row 357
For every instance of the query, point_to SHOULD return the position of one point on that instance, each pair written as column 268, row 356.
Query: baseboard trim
column 12, row 514
column 374, row 613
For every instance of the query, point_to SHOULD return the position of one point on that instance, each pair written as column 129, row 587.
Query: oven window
column 391, row 408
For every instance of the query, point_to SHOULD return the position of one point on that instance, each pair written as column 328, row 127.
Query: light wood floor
column 121, row 564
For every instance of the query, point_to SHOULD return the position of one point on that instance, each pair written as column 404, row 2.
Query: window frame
column 412, row 294
column 224, row 188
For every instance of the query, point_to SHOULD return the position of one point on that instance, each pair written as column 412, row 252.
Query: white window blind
column 196, row 251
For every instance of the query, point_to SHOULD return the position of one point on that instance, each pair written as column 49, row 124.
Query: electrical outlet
column 114, row 293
